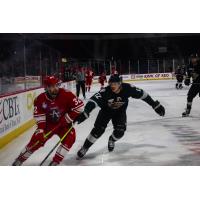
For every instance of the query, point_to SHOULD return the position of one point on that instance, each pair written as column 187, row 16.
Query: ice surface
column 149, row 139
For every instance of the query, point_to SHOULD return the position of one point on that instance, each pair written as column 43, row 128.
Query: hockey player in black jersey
column 193, row 71
column 113, row 101
column 180, row 72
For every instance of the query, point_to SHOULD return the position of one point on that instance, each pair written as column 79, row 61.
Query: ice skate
column 186, row 113
column 81, row 153
column 111, row 144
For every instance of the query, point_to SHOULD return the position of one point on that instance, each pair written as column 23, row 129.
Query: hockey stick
column 64, row 136
column 46, row 135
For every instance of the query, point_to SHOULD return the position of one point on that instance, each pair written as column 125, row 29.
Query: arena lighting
column 64, row 60
column 162, row 49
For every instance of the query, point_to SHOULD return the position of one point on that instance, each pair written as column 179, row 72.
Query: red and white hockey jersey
column 48, row 112
column 89, row 74
column 102, row 78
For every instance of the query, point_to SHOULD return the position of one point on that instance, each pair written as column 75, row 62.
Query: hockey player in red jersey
column 89, row 76
column 114, row 71
column 55, row 109
column 102, row 79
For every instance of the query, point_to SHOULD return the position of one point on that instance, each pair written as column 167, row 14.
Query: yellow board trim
column 15, row 133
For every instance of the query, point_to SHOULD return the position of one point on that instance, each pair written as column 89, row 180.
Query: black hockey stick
column 64, row 136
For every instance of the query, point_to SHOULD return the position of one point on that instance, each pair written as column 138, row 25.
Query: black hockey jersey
column 180, row 71
column 194, row 72
column 111, row 102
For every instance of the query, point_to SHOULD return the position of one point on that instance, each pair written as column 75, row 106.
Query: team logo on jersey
column 55, row 114
column 44, row 105
column 110, row 101
column 115, row 104
column 119, row 99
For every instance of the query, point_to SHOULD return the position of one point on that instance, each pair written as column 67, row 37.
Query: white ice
column 149, row 139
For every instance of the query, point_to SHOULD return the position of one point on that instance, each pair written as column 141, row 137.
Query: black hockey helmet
column 114, row 79
column 194, row 58
column 194, row 55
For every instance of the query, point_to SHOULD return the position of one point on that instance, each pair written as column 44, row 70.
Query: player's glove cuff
column 159, row 109
column 82, row 117
column 187, row 81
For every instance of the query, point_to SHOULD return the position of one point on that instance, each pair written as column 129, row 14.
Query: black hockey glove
column 82, row 117
column 159, row 108
column 187, row 81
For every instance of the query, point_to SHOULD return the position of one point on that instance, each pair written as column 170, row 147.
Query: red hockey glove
column 40, row 135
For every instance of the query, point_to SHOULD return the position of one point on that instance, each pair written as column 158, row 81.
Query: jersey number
column 35, row 109
column 76, row 101
column 98, row 96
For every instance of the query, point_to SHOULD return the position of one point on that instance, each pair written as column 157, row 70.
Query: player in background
column 113, row 102
column 88, row 77
column 193, row 71
column 80, row 81
column 114, row 71
column 102, row 79
column 180, row 73
column 55, row 109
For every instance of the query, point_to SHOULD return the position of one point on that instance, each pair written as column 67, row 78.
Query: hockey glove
column 187, row 81
column 159, row 108
column 40, row 136
column 82, row 117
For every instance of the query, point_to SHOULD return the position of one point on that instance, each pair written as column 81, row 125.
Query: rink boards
column 16, row 112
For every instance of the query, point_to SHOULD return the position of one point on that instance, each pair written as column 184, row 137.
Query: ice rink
column 149, row 139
